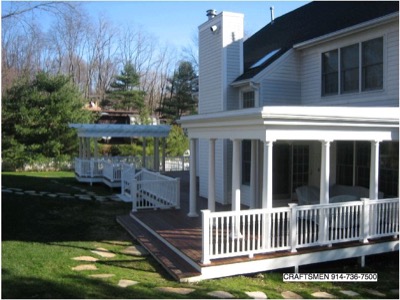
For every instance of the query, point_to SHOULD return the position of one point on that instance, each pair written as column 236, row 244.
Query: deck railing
column 112, row 171
column 127, row 180
column 250, row 232
column 156, row 191
column 88, row 167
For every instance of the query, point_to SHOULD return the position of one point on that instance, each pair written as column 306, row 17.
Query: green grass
column 41, row 235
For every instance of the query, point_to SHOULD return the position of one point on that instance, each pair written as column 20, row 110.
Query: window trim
column 360, row 69
column 246, row 90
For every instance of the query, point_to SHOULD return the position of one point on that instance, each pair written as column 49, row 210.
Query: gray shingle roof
column 310, row 21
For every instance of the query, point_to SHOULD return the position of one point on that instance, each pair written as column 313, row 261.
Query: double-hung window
column 354, row 68
column 248, row 99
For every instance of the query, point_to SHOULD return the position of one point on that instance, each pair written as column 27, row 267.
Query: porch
column 225, row 243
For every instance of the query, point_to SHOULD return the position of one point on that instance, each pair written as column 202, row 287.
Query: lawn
column 41, row 235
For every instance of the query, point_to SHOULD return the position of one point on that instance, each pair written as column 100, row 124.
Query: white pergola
column 293, row 123
column 95, row 131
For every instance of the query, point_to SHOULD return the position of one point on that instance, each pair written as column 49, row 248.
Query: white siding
column 311, row 71
column 220, row 62
column 210, row 72
column 280, row 83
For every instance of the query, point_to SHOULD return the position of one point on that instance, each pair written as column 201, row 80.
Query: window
column 349, row 59
column 330, row 72
column 248, row 99
column 354, row 74
column 372, row 64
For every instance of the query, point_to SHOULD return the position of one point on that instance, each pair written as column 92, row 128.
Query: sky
column 176, row 22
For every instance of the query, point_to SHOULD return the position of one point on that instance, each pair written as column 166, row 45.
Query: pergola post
column 156, row 164
column 163, row 153
column 144, row 153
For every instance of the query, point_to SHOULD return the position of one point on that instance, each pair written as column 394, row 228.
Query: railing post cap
column 292, row 205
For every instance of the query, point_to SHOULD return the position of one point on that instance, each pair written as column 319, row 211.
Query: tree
column 35, row 118
column 179, row 102
column 124, row 92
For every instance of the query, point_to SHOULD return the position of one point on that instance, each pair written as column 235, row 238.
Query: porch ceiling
column 121, row 130
column 297, row 123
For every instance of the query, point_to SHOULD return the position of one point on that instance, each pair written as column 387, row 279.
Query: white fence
column 153, row 190
column 249, row 232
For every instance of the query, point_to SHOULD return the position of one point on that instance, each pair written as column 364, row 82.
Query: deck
column 175, row 241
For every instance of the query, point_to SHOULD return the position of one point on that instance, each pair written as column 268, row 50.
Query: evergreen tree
column 179, row 101
column 35, row 118
column 125, row 93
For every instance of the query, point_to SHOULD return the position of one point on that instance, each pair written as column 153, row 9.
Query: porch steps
column 176, row 266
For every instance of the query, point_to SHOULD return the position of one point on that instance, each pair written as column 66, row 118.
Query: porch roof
column 121, row 130
column 297, row 123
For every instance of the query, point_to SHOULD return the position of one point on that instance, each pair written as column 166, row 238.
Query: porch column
column 324, row 190
column 193, row 184
column 211, row 175
column 267, row 175
column 236, row 170
column 374, row 171
column 325, row 170
column 253, row 174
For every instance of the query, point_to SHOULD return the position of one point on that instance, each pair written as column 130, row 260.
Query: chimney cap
column 211, row 13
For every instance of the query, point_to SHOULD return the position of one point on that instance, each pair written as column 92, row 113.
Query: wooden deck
column 175, row 240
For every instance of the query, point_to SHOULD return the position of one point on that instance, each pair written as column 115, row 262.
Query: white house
column 304, row 112
column 321, row 74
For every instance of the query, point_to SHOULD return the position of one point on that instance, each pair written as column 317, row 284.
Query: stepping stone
column 221, row 295
column 257, row 295
column 290, row 295
column 375, row 293
column 85, row 198
column 323, row 295
column 7, row 191
column 181, row 291
column 85, row 258
column 101, row 198
column 103, row 252
column 84, row 268
column 101, row 275
column 20, row 193
column 350, row 293
column 125, row 283
column 52, row 195
column 16, row 189
column 135, row 251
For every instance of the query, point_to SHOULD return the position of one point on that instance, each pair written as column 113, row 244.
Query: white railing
column 127, row 180
column 88, row 167
column 249, row 232
column 112, row 171
column 153, row 190
column 179, row 163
